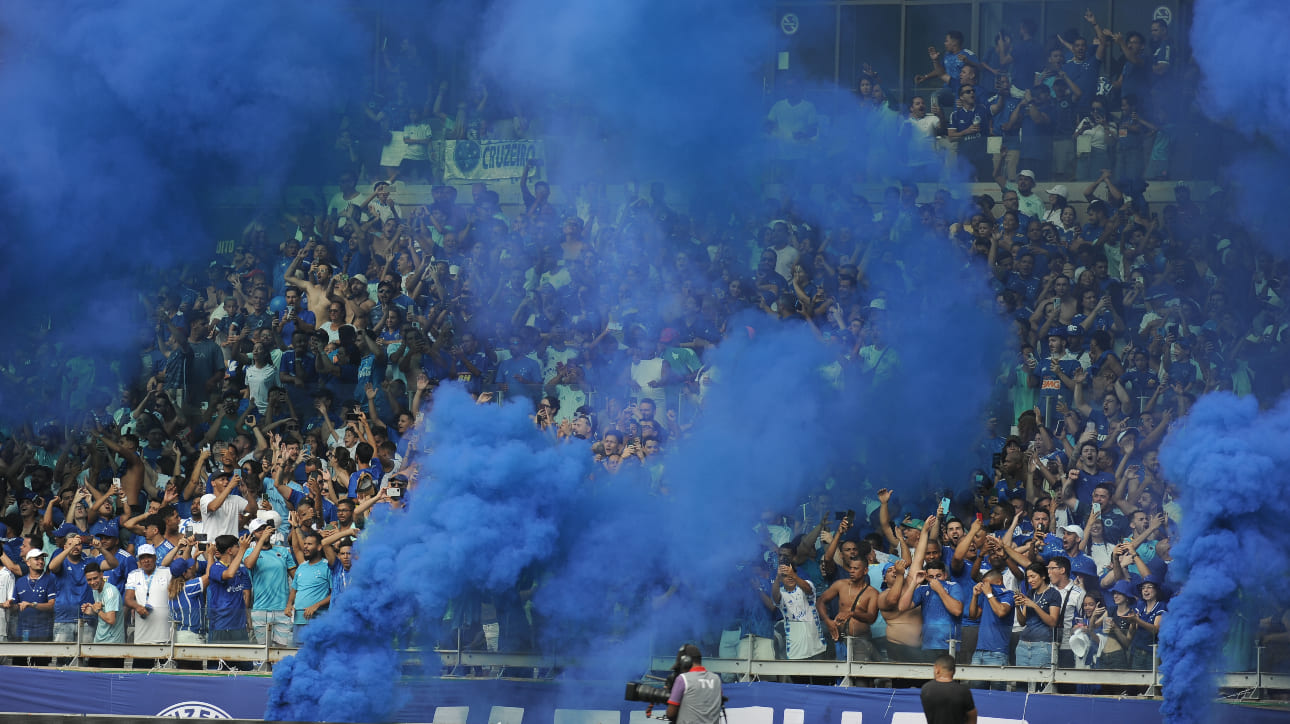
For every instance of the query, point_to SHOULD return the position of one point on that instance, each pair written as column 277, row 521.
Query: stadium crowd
column 222, row 497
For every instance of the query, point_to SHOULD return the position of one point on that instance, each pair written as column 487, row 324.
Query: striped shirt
column 187, row 607
column 339, row 578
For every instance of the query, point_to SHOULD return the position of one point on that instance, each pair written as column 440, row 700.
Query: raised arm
column 830, row 562
column 961, row 550
column 916, row 568
column 884, row 519
column 257, row 547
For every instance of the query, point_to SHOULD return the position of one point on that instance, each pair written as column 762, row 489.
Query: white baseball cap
column 145, row 549
column 34, row 553
column 271, row 517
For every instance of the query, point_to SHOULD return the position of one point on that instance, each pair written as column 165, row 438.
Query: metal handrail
column 1037, row 679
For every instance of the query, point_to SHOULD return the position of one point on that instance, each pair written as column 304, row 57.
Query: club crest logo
column 465, row 155
column 194, row 710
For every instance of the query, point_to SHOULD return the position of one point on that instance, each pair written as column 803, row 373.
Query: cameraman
column 696, row 693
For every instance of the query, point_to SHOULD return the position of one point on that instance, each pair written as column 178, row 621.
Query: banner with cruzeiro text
column 487, row 160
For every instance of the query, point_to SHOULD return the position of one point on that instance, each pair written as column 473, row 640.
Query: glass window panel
column 870, row 35
column 811, row 45
column 811, row 50
column 925, row 26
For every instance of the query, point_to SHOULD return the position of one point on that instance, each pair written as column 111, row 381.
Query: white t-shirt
column 190, row 527
column 790, row 119
column 225, row 519
column 6, row 593
column 259, row 380
column 646, row 371
column 151, row 591
column 785, row 260
column 802, row 634
column 555, row 357
column 339, row 203
column 332, row 330
column 417, row 151
column 924, row 135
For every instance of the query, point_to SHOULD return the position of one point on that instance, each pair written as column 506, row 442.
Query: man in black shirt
column 946, row 701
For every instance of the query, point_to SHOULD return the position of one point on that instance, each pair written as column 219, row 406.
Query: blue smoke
column 1225, row 458
column 1231, row 42
column 494, row 503
column 121, row 119
column 617, row 568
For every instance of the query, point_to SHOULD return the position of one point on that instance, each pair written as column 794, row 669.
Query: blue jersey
column 35, row 625
column 1009, row 104
column 125, row 564
column 1163, row 54
column 1091, row 233
column 1026, row 288
column 225, row 604
column 1136, row 79
column 1050, row 384
column 1142, row 638
column 312, row 584
column 962, row 119
column 269, row 584
column 964, row 581
column 996, row 631
column 1037, row 136
column 339, row 578
column 1087, row 481
column 186, row 608
column 1084, row 75
column 72, row 590
column 939, row 625
column 1140, row 383
column 954, row 65
column 1103, row 321
column 1035, row 628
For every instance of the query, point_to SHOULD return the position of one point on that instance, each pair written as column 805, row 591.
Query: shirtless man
column 318, row 290
column 857, row 608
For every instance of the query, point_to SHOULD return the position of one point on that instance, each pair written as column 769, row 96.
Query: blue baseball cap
column 180, row 566
column 67, row 529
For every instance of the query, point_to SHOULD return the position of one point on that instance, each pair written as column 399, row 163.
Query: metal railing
column 1042, row 680
column 486, row 664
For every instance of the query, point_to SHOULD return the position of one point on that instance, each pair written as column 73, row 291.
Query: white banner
column 487, row 160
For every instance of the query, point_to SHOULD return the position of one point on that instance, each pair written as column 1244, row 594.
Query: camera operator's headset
column 685, row 658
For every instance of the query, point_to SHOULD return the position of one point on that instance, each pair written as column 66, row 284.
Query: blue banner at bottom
column 217, row 696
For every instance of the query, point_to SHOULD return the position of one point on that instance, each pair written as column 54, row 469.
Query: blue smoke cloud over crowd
column 1232, row 42
column 611, row 570
column 1228, row 455
column 1225, row 458
column 129, row 114
column 120, row 120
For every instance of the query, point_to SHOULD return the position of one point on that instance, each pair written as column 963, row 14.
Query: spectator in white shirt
column 222, row 511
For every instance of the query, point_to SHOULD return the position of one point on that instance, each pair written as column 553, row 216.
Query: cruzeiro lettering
column 498, row 155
